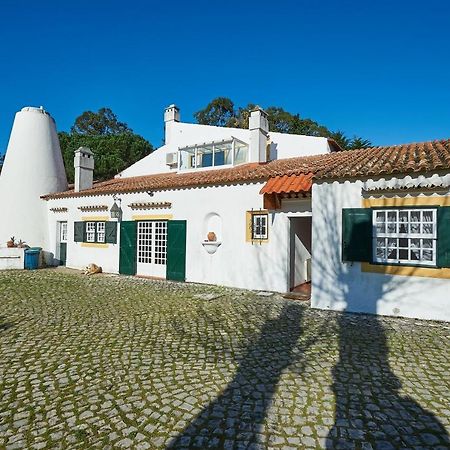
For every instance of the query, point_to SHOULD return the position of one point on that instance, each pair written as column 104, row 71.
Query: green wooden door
column 176, row 250
column 127, row 259
column 62, row 253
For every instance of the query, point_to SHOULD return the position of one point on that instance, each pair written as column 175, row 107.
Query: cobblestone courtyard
column 112, row 362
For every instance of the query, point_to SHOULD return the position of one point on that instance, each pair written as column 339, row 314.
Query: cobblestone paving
column 112, row 362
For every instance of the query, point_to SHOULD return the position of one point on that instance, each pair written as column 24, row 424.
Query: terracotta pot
column 10, row 244
column 212, row 236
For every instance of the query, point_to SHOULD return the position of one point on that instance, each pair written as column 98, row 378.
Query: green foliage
column 103, row 122
column 113, row 143
column 221, row 112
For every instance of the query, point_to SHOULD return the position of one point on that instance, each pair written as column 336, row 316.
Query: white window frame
column 394, row 236
column 264, row 233
column 100, row 232
column 63, row 232
column 90, row 231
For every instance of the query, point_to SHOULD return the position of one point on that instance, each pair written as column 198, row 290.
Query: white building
column 234, row 207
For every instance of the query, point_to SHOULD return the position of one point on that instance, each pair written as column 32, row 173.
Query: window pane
column 403, row 253
column 427, row 243
column 381, row 242
column 415, row 216
column 427, row 228
column 415, row 254
column 427, row 255
column 415, row 243
column 403, row 242
column 427, row 216
column 381, row 252
column 381, row 227
column 392, row 253
column 381, row 216
column 415, row 228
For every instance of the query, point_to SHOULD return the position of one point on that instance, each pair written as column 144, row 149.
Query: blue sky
column 380, row 69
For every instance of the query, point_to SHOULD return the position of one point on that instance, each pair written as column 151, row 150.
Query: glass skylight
column 223, row 153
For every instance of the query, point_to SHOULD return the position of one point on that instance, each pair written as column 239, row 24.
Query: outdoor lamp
column 115, row 211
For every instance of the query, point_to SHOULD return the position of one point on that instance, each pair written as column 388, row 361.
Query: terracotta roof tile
column 288, row 183
column 375, row 161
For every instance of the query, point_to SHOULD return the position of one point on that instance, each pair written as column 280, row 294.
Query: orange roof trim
column 287, row 184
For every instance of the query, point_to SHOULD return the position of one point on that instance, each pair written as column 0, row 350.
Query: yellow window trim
column 152, row 217
column 406, row 271
column 94, row 245
column 95, row 218
column 248, row 230
column 405, row 201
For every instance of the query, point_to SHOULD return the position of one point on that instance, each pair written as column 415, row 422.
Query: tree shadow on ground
column 370, row 412
column 239, row 412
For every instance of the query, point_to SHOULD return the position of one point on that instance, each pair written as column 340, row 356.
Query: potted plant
column 212, row 236
column 11, row 243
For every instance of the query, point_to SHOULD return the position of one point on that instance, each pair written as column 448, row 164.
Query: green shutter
column 176, row 250
column 110, row 232
column 443, row 237
column 127, row 259
column 78, row 232
column 357, row 234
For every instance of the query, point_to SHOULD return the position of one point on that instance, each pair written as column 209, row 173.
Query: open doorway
column 300, row 253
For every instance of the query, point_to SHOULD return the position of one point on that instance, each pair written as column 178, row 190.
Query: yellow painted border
column 405, row 201
column 94, row 245
column 248, row 231
column 95, row 218
column 152, row 217
column 406, row 271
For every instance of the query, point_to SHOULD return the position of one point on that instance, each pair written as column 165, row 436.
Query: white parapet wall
column 12, row 258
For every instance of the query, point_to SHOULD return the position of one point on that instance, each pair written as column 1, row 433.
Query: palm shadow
column 241, row 409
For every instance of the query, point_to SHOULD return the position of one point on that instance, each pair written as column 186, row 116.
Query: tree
column 113, row 143
column 221, row 112
column 103, row 122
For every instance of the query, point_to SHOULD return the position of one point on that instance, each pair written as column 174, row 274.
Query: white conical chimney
column 33, row 167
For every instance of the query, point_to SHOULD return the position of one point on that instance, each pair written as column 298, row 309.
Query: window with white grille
column 145, row 235
column 259, row 226
column 160, row 242
column 101, row 231
column 63, row 232
column 90, row 231
column 405, row 236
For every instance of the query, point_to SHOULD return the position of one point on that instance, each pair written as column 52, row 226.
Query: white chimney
column 171, row 115
column 259, row 132
column 84, row 169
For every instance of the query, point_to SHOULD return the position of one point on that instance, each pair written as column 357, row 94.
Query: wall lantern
column 116, row 210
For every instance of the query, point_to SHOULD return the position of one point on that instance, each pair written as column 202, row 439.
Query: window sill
column 406, row 271
column 94, row 245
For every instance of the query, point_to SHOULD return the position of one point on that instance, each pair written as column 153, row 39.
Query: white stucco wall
column 184, row 134
column 236, row 263
column 343, row 286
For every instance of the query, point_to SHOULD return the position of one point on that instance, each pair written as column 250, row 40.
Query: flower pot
column 212, row 236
